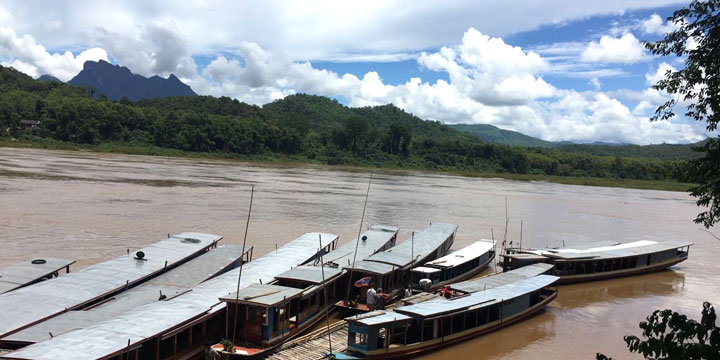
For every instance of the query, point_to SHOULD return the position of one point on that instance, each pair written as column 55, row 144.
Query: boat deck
column 314, row 346
column 169, row 284
column 38, row 302
column 29, row 272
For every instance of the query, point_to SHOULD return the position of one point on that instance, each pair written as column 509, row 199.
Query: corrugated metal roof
column 488, row 297
column 26, row 272
column 376, row 237
column 111, row 336
column 378, row 317
column 372, row 267
column 468, row 253
column 501, row 279
column 170, row 284
column 24, row 306
column 262, row 294
column 423, row 244
column 311, row 274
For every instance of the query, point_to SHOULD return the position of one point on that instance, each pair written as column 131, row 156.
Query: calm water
column 93, row 207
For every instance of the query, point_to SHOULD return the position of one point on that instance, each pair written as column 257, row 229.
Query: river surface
column 92, row 207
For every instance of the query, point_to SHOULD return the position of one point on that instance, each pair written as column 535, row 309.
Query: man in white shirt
column 425, row 284
column 370, row 297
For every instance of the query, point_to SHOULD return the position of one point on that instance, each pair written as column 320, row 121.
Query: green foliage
column 496, row 135
column 697, row 84
column 302, row 127
column 671, row 335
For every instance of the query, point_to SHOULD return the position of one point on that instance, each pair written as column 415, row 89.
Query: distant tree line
column 301, row 126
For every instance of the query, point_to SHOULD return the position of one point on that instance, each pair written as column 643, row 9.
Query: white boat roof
column 376, row 237
column 378, row 317
column 262, row 294
column 372, row 267
column 26, row 272
column 25, row 306
column 504, row 278
column 468, row 253
column 411, row 250
column 309, row 273
column 170, row 283
column 607, row 251
column 426, row 270
column 111, row 337
column 440, row 306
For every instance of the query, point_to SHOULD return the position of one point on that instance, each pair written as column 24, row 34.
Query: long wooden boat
column 457, row 266
column 601, row 260
column 390, row 269
column 423, row 327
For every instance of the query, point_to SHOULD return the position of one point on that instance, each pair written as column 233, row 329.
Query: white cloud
column 625, row 49
column 4, row 15
column 655, row 25
column 35, row 60
column 595, row 82
column 652, row 78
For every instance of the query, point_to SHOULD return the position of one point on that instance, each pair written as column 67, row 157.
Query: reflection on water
column 92, row 207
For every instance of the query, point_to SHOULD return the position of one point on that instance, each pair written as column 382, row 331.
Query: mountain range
column 116, row 82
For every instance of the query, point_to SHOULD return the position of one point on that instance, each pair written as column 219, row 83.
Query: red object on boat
column 364, row 281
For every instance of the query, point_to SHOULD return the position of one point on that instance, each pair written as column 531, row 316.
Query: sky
column 558, row 70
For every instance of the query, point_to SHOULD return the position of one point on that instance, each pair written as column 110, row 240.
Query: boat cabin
column 459, row 265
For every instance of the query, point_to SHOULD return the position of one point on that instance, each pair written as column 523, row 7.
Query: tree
column 670, row 335
column 697, row 40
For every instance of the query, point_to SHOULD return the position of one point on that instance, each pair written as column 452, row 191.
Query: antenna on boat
column 322, row 270
column 412, row 248
column 357, row 241
column 237, row 293
column 521, row 231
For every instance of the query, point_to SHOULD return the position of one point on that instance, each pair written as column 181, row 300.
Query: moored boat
column 422, row 327
column 456, row 266
column 602, row 260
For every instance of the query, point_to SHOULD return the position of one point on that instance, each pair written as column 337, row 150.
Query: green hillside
column 496, row 135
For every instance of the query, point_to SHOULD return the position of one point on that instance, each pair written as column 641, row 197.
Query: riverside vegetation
column 305, row 128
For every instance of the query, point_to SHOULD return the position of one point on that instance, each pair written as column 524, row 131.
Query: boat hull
column 426, row 346
column 571, row 279
column 465, row 276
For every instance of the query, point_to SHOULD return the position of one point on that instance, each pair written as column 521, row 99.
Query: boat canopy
column 377, row 238
column 378, row 317
column 478, row 299
column 504, row 278
column 372, row 267
column 263, row 295
column 418, row 247
column 310, row 274
column 31, row 271
column 466, row 254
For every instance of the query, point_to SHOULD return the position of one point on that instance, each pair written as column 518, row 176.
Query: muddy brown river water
column 92, row 207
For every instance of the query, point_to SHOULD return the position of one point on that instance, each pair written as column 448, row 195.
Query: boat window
column 357, row 338
column 427, row 330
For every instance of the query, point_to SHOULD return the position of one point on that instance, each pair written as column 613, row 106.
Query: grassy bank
column 130, row 149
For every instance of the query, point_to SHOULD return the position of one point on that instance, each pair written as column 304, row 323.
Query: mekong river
column 92, row 207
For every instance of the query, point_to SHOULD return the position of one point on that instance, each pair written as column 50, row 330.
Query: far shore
column 118, row 148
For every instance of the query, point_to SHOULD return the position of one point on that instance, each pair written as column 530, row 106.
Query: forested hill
column 494, row 134
column 298, row 127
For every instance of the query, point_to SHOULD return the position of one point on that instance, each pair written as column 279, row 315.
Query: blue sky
column 560, row 70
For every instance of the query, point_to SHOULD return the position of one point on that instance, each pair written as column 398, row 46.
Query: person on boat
column 371, row 297
column 425, row 284
column 445, row 292
column 381, row 298
column 408, row 291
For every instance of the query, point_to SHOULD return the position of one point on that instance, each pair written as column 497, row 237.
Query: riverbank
column 118, row 148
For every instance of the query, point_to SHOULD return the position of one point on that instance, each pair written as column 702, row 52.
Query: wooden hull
column 427, row 346
column 464, row 276
column 571, row 279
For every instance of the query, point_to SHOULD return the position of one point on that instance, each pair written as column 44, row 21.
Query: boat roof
column 440, row 306
column 30, row 304
column 426, row 270
column 378, row 317
column 311, row 274
column 617, row 250
column 376, row 237
column 171, row 283
column 501, row 279
column 111, row 336
column 411, row 250
column 263, row 295
column 372, row 267
column 27, row 272
column 468, row 253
